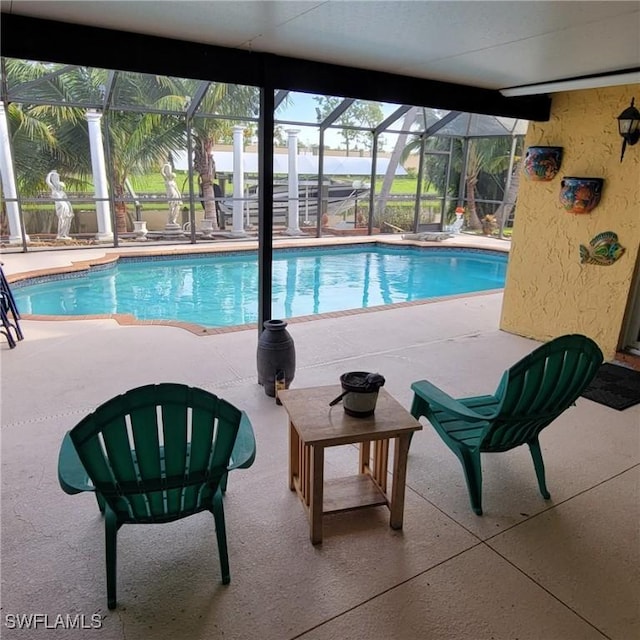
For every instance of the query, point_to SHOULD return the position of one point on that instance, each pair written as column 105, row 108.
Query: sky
column 302, row 107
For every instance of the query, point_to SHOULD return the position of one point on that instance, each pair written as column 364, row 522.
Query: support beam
column 265, row 206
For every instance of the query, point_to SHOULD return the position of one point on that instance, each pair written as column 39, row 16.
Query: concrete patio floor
column 563, row 569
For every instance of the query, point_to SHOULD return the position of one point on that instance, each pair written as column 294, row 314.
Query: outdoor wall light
column 629, row 127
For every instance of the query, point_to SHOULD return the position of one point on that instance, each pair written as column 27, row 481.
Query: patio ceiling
column 482, row 44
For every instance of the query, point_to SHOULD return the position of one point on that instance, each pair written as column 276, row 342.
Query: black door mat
column 614, row 386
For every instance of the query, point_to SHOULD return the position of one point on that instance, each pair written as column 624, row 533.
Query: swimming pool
column 221, row 290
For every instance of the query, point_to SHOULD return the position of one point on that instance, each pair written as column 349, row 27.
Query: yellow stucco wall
column 548, row 291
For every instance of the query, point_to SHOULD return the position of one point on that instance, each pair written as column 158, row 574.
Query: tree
column 144, row 124
column 279, row 137
column 45, row 137
column 503, row 212
column 489, row 155
column 398, row 151
column 487, row 159
column 34, row 146
column 406, row 144
column 142, row 141
column 207, row 130
column 59, row 97
column 475, row 160
column 360, row 114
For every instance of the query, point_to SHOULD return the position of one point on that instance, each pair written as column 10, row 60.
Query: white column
column 293, row 223
column 9, row 181
column 238, row 182
column 98, row 166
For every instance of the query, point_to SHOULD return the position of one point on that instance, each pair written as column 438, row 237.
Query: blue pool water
column 222, row 290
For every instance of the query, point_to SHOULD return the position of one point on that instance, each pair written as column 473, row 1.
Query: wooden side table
column 313, row 426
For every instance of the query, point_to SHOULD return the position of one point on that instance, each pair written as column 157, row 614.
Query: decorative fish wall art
column 604, row 249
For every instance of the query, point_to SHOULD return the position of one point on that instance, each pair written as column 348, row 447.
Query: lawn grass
column 154, row 183
column 404, row 185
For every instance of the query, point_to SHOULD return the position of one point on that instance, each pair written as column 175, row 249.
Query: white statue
column 456, row 227
column 63, row 206
column 174, row 197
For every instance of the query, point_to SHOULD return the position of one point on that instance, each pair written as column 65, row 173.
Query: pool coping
column 126, row 319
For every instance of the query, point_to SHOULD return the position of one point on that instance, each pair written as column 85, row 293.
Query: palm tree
column 144, row 125
column 58, row 99
column 488, row 155
column 208, row 128
column 486, row 158
column 400, row 152
column 476, row 159
column 43, row 136
column 142, row 141
column 34, row 146
column 511, row 193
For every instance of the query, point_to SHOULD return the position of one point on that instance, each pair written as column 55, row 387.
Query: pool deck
column 563, row 569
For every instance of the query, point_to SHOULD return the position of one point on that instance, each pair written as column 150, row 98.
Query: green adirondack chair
column 531, row 395
column 156, row 454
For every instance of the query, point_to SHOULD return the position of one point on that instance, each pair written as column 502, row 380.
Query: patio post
column 293, row 223
column 98, row 167
column 238, row 183
column 9, row 182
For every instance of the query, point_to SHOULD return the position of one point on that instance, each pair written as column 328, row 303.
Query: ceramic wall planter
column 580, row 195
column 541, row 164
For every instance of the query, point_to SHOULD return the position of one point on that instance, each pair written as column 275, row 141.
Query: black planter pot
column 276, row 352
